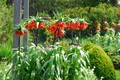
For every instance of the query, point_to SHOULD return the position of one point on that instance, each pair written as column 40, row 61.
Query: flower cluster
column 98, row 27
column 34, row 24
column 77, row 25
column 20, row 33
column 107, row 27
column 57, row 29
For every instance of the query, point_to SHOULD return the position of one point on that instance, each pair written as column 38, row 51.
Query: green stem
column 19, row 44
column 79, row 34
column 72, row 37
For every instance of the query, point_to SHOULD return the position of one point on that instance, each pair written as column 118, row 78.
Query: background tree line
column 51, row 5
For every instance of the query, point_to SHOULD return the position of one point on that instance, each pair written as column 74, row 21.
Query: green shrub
column 102, row 62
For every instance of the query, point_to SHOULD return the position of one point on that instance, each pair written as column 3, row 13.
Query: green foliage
column 6, row 21
column 61, row 5
column 52, row 63
column 109, row 42
column 103, row 64
column 115, row 59
column 6, row 50
column 93, row 16
column 43, row 14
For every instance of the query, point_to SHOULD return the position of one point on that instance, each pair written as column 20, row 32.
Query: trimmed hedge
column 101, row 61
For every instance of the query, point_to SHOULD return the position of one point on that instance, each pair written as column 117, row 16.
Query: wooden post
column 17, row 17
column 26, row 15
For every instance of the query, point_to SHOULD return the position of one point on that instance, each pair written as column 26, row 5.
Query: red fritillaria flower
column 19, row 33
column 41, row 25
column 118, row 26
column 73, row 26
column 77, row 25
column 24, row 32
column 83, row 26
column 98, row 28
column 111, row 30
column 59, row 33
column 57, row 29
column 60, row 25
column 99, row 24
column 105, row 23
column 70, row 26
column 113, row 24
column 31, row 25
column 106, row 28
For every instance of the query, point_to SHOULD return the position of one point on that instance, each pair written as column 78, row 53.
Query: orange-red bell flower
column 83, row 26
column 98, row 29
column 99, row 24
column 106, row 28
column 25, row 32
column 19, row 33
column 113, row 24
column 41, row 25
column 118, row 26
column 57, row 29
column 111, row 30
column 73, row 26
column 31, row 25
column 105, row 23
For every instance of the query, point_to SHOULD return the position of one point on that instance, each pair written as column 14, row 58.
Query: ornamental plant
column 20, row 31
column 72, row 25
column 57, row 29
column 52, row 63
column 98, row 28
column 118, row 26
column 82, row 27
column 77, row 25
column 103, row 64
column 109, row 42
column 34, row 25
